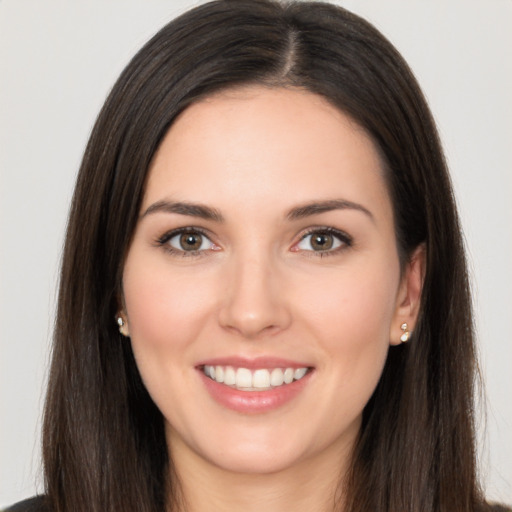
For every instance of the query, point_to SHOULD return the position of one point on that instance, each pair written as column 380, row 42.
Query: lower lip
column 254, row 402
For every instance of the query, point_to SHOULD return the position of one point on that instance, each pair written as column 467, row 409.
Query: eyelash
column 164, row 239
column 345, row 239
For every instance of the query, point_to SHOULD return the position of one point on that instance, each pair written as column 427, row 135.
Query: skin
column 257, row 287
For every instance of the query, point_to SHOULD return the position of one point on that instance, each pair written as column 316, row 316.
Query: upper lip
column 253, row 363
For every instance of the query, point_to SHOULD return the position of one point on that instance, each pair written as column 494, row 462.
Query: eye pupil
column 322, row 242
column 190, row 241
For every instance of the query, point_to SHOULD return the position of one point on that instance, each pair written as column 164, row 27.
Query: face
column 262, row 288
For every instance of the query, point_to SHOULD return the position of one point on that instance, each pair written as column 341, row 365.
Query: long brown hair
column 103, row 443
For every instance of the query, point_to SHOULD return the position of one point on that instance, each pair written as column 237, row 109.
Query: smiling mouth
column 262, row 379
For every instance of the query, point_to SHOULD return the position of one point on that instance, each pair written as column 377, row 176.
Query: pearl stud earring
column 122, row 325
column 405, row 330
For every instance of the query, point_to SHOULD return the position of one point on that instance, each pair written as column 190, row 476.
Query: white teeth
column 243, row 378
column 288, row 375
column 261, row 379
column 257, row 380
column 299, row 373
column 229, row 376
column 219, row 374
column 276, row 377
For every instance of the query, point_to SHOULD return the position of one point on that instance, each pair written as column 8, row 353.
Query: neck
column 313, row 484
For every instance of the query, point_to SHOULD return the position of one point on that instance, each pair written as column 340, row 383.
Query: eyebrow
column 297, row 213
column 185, row 208
column 317, row 207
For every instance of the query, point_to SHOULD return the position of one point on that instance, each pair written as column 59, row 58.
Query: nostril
column 252, row 304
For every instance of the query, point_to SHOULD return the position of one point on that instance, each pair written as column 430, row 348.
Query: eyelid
column 344, row 238
column 178, row 231
column 163, row 240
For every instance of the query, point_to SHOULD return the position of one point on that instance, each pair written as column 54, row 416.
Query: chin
column 260, row 463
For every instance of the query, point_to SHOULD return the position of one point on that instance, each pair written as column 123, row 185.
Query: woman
column 222, row 343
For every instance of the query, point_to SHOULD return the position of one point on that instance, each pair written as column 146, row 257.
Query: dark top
column 38, row 504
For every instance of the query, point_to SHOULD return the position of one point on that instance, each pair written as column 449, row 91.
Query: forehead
column 255, row 144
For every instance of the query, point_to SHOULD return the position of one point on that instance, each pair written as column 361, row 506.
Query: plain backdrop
column 58, row 60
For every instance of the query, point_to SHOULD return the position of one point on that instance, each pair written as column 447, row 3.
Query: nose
column 254, row 300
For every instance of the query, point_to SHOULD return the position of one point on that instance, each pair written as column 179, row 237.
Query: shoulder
column 36, row 504
column 39, row 504
column 499, row 508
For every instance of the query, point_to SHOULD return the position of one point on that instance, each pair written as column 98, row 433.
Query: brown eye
column 322, row 241
column 189, row 241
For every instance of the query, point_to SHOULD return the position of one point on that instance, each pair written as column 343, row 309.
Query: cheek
column 164, row 309
column 350, row 317
column 355, row 335
column 356, row 303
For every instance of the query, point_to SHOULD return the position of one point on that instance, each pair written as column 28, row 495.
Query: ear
column 409, row 295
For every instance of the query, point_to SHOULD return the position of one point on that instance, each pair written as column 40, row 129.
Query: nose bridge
column 254, row 301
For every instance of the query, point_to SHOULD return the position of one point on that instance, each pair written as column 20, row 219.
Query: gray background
column 58, row 60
